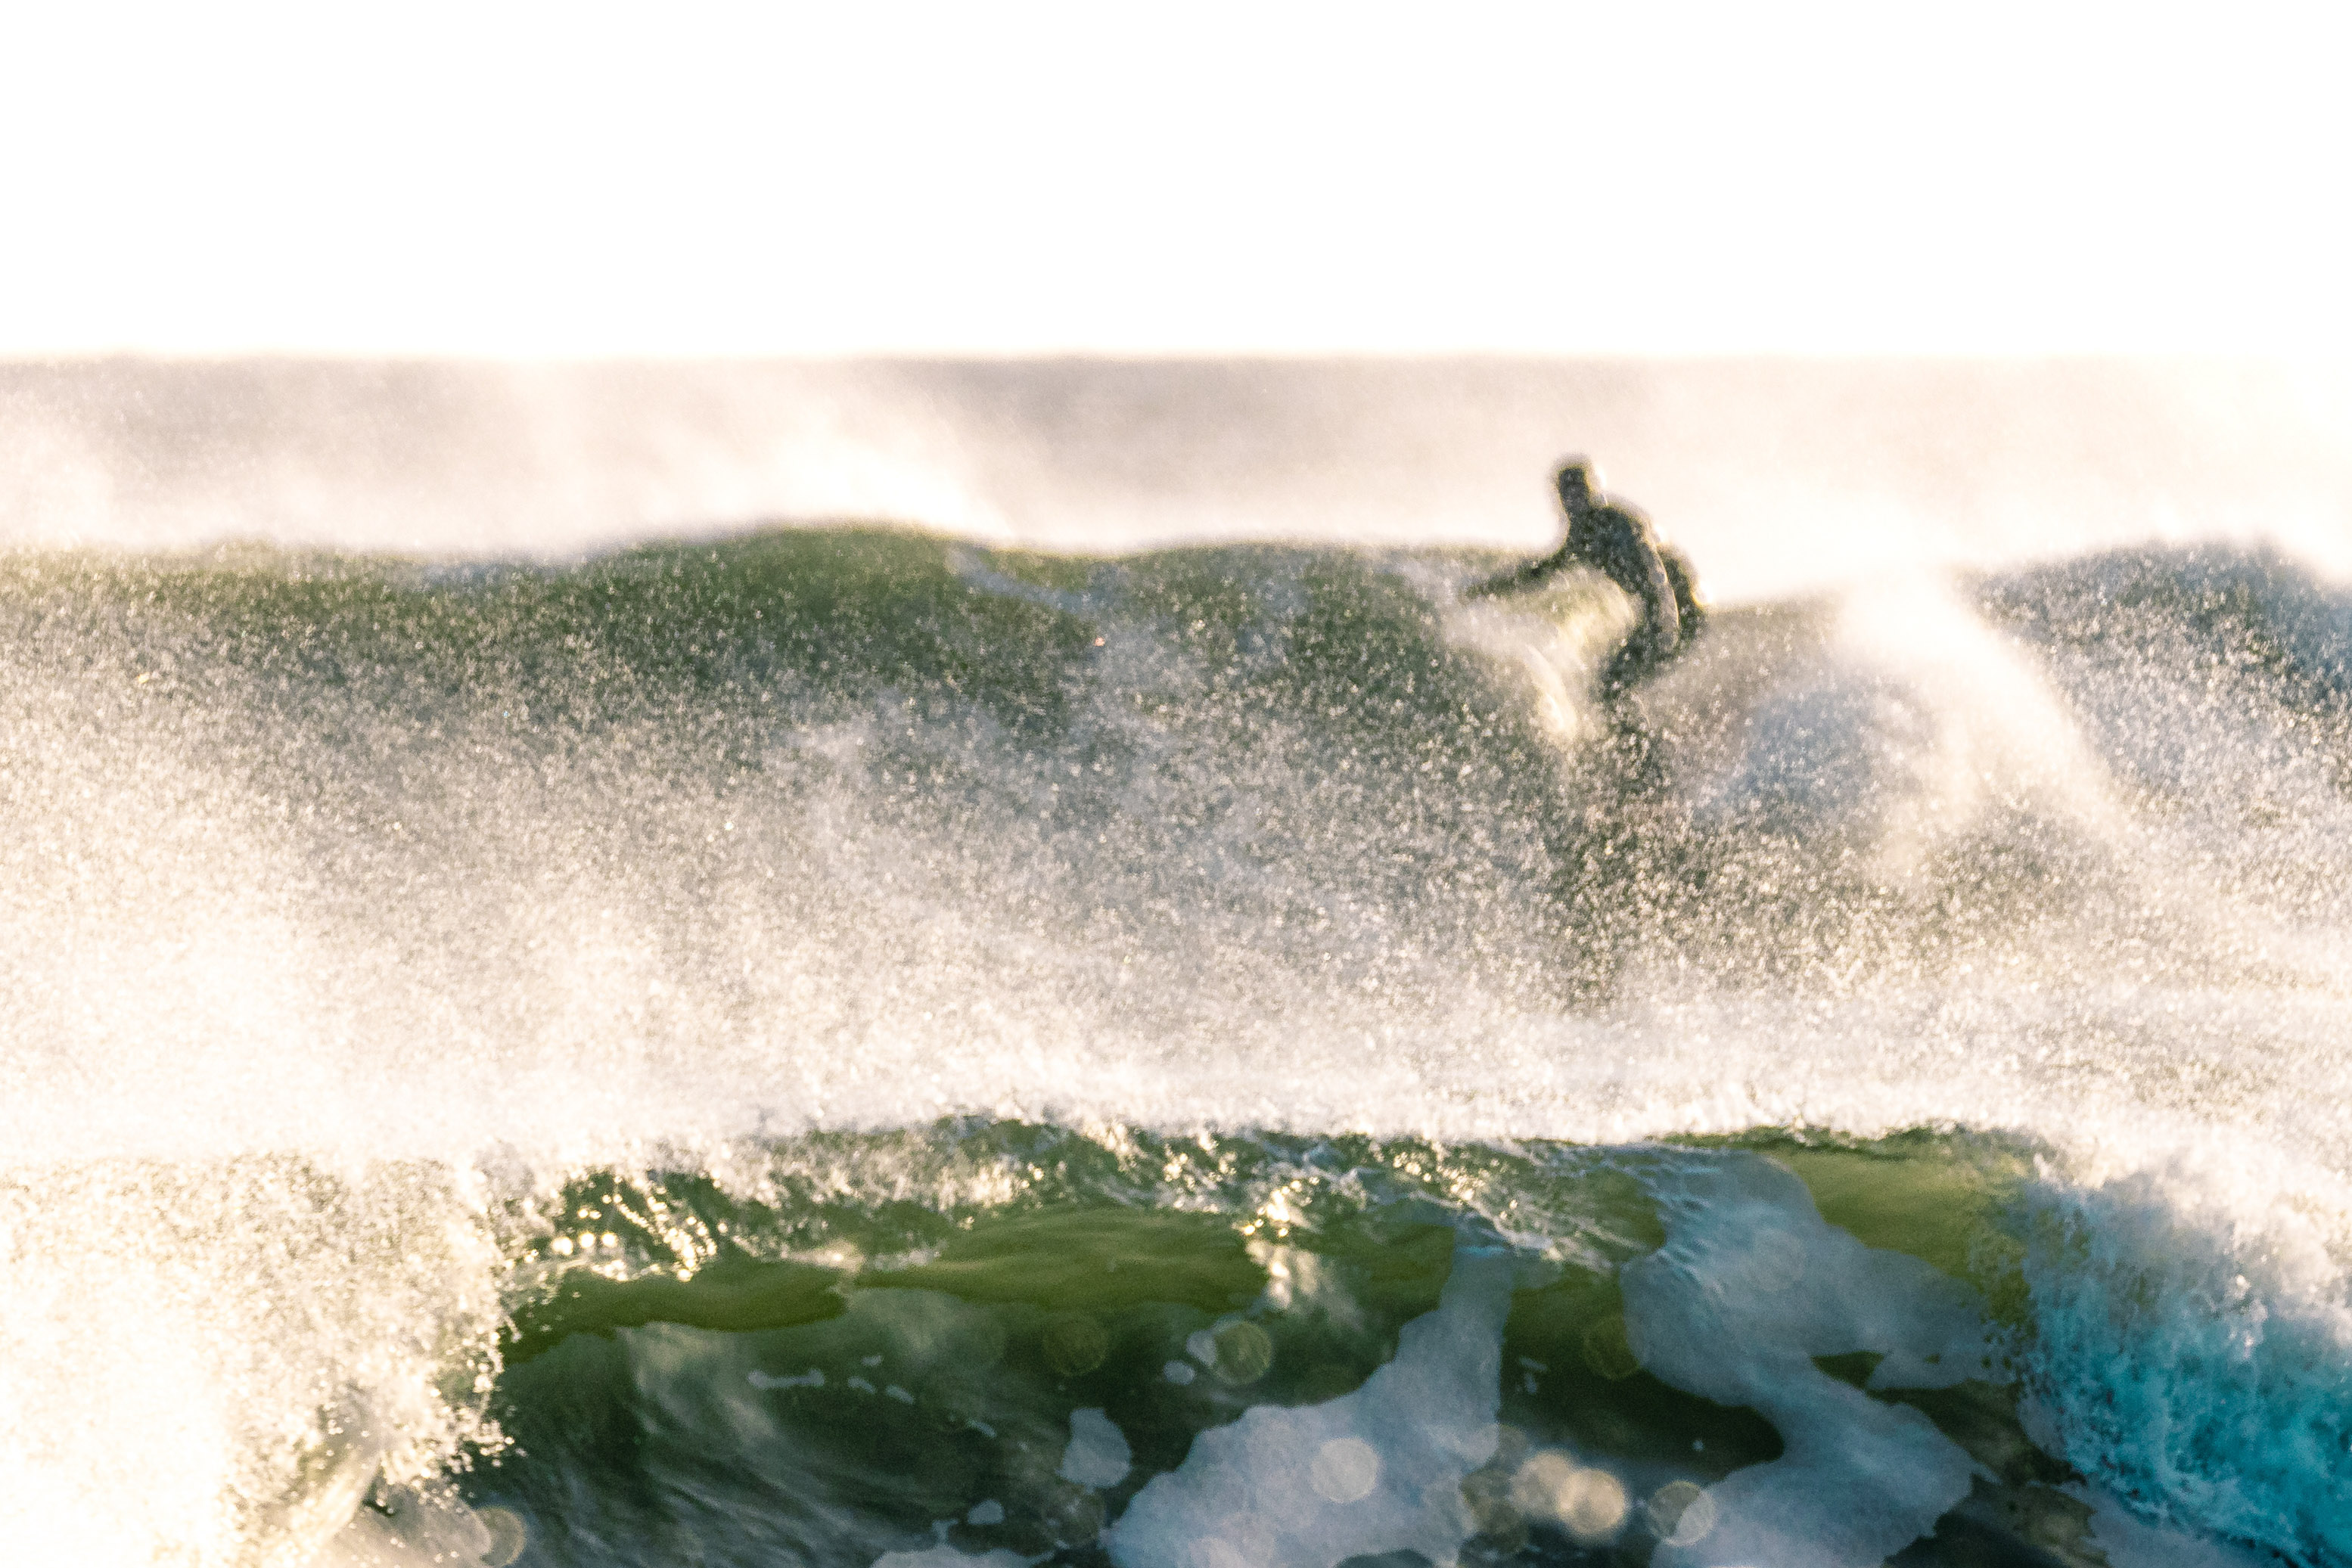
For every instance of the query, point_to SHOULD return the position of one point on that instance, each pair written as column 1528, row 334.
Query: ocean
column 851, row 1046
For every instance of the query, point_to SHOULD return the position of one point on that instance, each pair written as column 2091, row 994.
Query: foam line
column 1751, row 1285
column 1377, row 1470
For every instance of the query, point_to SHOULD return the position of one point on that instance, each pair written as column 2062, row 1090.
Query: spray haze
column 1777, row 474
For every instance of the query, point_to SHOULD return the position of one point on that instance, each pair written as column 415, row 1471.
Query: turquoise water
column 844, row 1047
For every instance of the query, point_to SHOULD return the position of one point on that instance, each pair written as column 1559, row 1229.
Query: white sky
column 536, row 180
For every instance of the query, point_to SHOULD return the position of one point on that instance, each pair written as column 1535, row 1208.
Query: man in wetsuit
column 1614, row 836
column 1618, row 542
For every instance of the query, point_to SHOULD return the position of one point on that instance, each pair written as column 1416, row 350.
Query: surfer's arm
column 1525, row 577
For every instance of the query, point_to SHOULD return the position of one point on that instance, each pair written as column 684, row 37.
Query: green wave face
column 831, row 1375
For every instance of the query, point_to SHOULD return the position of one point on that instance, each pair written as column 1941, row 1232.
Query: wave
column 478, row 1038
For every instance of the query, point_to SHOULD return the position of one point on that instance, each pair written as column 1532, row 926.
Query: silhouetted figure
column 1617, row 541
column 1617, row 839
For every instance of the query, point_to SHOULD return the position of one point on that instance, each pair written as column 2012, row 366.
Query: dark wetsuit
column 1618, row 542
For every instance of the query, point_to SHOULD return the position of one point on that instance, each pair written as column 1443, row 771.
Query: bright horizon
column 566, row 183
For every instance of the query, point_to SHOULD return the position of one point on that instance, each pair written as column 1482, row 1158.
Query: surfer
column 1618, row 542
column 1615, row 839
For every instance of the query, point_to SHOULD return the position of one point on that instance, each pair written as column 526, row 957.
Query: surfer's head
column 1578, row 481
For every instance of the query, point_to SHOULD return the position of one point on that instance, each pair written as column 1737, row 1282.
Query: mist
column 1781, row 476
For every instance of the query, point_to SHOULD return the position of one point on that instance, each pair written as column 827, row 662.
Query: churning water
column 847, row 1048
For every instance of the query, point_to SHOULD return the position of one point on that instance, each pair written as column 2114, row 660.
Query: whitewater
column 874, row 1045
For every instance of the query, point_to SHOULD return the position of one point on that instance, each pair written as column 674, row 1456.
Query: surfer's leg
column 1614, row 847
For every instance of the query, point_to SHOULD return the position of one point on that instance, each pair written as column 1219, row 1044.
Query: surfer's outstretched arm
column 1533, row 574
